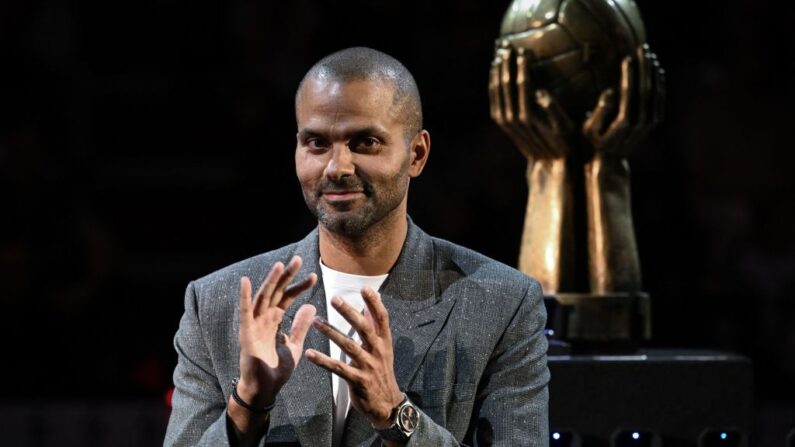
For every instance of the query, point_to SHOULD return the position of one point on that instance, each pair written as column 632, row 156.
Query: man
column 414, row 340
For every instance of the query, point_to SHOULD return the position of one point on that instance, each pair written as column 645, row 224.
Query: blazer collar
column 412, row 296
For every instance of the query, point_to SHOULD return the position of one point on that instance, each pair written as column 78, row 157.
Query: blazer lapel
column 412, row 296
column 307, row 395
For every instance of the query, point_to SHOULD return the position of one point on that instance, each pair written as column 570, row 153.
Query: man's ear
column 419, row 148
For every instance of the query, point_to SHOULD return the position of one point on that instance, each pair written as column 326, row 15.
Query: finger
column 355, row 318
column 655, row 94
column 522, row 87
column 263, row 296
column 369, row 317
column 557, row 116
column 524, row 108
column 505, row 85
column 301, row 323
column 245, row 300
column 627, row 89
column 286, row 277
column 494, row 92
column 345, row 343
column 643, row 119
column 337, row 367
column 299, row 288
column 497, row 103
column 292, row 292
column 616, row 133
column 644, row 85
column 559, row 124
column 544, row 128
column 372, row 300
column 594, row 125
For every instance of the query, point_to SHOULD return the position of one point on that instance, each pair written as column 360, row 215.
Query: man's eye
column 315, row 143
column 365, row 143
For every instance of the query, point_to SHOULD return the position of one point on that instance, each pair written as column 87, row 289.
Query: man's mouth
column 341, row 196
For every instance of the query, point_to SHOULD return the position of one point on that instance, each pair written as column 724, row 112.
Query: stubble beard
column 356, row 223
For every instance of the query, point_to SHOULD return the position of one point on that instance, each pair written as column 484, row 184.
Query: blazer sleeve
column 198, row 414
column 511, row 407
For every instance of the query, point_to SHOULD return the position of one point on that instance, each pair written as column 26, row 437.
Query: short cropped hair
column 361, row 63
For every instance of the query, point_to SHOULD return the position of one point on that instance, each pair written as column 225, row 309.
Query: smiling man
column 389, row 336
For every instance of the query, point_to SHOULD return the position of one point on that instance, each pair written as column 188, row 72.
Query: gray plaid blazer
column 468, row 343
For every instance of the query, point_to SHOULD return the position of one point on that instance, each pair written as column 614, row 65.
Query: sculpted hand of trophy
column 541, row 128
column 640, row 106
column 538, row 126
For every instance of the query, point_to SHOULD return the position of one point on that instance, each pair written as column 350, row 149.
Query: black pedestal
column 661, row 397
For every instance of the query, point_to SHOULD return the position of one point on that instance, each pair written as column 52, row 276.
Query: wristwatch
column 406, row 419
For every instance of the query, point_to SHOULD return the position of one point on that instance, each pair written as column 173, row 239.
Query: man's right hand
column 268, row 356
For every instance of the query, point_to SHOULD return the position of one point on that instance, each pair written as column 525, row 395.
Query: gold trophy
column 576, row 88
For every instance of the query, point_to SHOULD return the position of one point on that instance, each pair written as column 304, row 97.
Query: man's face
column 352, row 158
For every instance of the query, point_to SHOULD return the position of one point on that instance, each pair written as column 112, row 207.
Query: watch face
column 408, row 418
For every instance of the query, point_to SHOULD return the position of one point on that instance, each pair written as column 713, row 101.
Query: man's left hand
column 374, row 391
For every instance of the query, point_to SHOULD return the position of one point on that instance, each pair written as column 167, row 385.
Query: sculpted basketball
column 574, row 48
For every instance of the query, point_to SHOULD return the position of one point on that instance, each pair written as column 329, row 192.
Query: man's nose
column 341, row 162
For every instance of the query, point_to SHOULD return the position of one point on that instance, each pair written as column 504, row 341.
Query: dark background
column 144, row 144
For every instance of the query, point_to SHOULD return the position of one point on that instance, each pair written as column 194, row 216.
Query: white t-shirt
column 348, row 287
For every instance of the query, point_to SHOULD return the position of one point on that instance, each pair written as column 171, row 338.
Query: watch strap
column 404, row 422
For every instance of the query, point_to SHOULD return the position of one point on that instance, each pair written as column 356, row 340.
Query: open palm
column 268, row 356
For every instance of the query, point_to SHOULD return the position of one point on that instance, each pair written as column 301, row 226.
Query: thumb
column 593, row 127
column 301, row 322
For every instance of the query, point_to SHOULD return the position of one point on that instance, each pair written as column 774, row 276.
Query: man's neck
column 372, row 253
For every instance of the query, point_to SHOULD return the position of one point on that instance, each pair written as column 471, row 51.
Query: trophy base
column 617, row 322
column 671, row 397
